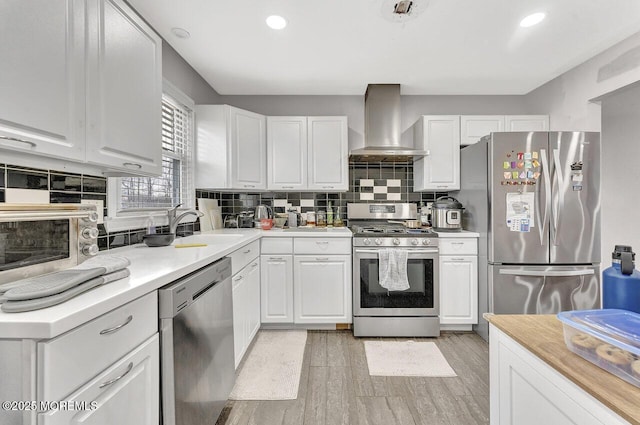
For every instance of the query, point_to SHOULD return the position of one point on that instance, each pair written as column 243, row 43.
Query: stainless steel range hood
column 382, row 127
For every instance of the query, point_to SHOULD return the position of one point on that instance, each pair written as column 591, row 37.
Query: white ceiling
column 338, row 46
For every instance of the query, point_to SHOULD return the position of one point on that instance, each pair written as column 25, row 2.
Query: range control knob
column 367, row 241
column 90, row 233
column 378, row 241
column 426, row 242
column 92, row 217
column 414, row 242
column 396, row 241
column 90, row 250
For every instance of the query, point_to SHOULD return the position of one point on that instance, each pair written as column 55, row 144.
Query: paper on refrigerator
column 520, row 211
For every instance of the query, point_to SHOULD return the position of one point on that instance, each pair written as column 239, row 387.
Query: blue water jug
column 621, row 281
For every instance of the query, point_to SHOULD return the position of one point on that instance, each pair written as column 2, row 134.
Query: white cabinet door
column 248, row 150
column 124, row 82
column 527, row 123
column 474, row 127
column 239, row 295
column 42, row 78
column 322, row 292
column 458, row 289
column 439, row 135
column 276, row 288
column 287, row 153
column 328, row 153
column 127, row 393
column 253, row 300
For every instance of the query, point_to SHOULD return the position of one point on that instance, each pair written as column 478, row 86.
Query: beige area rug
column 272, row 370
column 406, row 358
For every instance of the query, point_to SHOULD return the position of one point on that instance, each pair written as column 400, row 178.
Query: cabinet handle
column 327, row 187
column 13, row 139
column 457, row 243
column 247, row 251
column 442, row 186
column 254, row 265
column 322, row 242
column 322, row 258
column 132, row 165
column 276, row 258
column 115, row 328
column 238, row 278
column 457, row 259
column 117, row 378
column 249, row 185
column 287, row 187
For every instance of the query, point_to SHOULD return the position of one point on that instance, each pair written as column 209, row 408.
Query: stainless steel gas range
column 376, row 310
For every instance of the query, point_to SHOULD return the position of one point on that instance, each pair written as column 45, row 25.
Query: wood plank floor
column 336, row 389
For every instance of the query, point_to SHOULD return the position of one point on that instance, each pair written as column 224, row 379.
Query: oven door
column 371, row 299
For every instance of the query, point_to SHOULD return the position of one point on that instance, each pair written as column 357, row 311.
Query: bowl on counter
column 158, row 239
column 279, row 221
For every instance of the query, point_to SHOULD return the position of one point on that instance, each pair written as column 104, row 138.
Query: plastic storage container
column 608, row 338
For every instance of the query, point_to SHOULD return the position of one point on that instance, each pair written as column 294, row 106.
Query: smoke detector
column 402, row 10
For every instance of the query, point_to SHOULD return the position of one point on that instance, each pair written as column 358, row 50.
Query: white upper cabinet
column 308, row 153
column 124, row 81
column 231, row 150
column 287, row 153
column 439, row 170
column 474, row 127
column 527, row 123
column 328, row 153
column 42, row 78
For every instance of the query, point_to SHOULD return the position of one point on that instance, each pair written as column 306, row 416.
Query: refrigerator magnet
column 536, row 175
column 527, row 164
column 514, row 174
column 523, row 175
column 507, row 175
column 506, row 165
column 513, row 164
column 529, row 174
column 527, row 155
column 535, row 163
column 520, row 155
column 534, row 155
column 520, row 164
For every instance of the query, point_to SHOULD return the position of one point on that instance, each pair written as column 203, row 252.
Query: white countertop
column 151, row 268
column 459, row 234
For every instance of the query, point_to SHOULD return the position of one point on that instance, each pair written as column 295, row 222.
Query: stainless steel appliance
column 377, row 311
column 534, row 197
column 246, row 219
column 196, row 336
column 446, row 214
column 41, row 238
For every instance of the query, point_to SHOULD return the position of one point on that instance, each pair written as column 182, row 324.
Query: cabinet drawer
column 458, row 246
column 334, row 246
column 125, row 393
column 241, row 257
column 277, row 246
column 68, row 361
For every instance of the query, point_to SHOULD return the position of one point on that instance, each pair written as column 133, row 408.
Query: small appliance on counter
column 246, row 219
column 446, row 214
column 262, row 212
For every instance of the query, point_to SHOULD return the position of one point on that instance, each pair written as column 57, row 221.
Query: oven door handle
column 410, row 251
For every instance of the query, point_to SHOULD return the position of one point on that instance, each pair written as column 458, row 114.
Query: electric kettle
column 263, row 211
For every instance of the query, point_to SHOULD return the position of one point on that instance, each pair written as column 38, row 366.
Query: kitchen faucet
column 173, row 220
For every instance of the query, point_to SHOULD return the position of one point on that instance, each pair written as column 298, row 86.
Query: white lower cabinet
column 524, row 390
column 458, row 267
column 321, row 290
column 246, row 306
column 126, row 393
column 276, row 288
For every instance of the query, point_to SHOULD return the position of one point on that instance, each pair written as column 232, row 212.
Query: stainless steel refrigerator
column 534, row 197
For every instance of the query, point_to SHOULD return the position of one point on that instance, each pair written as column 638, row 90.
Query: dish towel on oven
column 392, row 269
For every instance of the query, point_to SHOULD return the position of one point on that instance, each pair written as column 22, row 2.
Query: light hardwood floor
column 335, row 388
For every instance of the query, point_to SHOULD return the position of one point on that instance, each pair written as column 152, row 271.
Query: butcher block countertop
column 542, row 335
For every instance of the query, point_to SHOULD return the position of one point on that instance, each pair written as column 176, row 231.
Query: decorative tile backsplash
column 368, row 182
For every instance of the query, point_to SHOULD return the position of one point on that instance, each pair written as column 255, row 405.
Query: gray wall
column 179, row 73
column 567, row 98
column 620, row 153
column 353, row 107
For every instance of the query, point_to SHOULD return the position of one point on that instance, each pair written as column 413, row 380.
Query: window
column 133, row 199
column 175, row 186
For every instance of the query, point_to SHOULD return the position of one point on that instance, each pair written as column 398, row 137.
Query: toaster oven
column 41, row 238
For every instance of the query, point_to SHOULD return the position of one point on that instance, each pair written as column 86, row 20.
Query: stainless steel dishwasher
column 196, row 331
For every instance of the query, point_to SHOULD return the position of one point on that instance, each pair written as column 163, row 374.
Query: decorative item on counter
column 293, row 218
column 303, row 219
column 329, row 215
column 337, row 222
column 280, row 219
column 321, row 219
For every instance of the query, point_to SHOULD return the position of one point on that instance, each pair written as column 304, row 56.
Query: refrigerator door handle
column 547, row 194
column 550, row 273
column 558, row 216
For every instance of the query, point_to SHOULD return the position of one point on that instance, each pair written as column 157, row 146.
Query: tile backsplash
column 368, row 182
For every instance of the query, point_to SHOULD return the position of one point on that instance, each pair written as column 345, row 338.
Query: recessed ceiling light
column 180, row 32
column 276, row 22
column 533, row 19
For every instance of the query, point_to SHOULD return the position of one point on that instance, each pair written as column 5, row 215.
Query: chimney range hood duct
column 382, row 127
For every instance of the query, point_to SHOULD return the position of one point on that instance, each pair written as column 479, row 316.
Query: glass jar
column 311, row 218
column 321, row 219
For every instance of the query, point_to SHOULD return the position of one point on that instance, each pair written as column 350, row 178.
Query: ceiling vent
column 402, row 7
column 403, row 10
